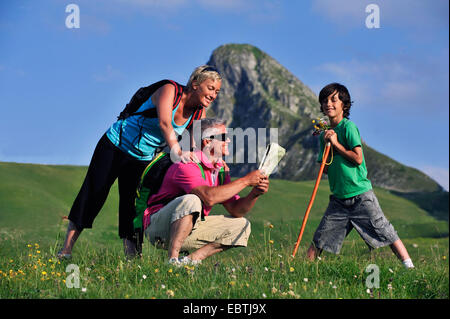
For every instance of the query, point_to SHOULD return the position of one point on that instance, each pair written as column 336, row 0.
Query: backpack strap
column 201, row 170
column 222, row 176
column 149, row 166
column 142, row 95
column 196, row 116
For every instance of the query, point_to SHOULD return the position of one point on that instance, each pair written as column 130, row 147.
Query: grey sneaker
column 189, row 262
column 175, row 262
column 62, row 256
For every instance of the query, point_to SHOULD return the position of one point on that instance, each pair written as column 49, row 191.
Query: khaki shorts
column 225, row 230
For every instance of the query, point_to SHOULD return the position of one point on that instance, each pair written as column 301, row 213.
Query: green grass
column 33, row 198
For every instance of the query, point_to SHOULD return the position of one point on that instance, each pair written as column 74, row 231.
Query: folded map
column 272, row 156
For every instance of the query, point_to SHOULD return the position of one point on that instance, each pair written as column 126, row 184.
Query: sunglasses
column 221, row 137
column 210, row 68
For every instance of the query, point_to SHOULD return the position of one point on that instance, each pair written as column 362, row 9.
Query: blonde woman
column 161, row 112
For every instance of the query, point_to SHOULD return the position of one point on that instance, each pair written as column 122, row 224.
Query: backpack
column 151, row 181
column 144, row 93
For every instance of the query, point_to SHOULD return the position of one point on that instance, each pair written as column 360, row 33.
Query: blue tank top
column 141, row 136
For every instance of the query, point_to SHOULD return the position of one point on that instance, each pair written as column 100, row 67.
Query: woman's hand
column 225, row 166
column 188, row 157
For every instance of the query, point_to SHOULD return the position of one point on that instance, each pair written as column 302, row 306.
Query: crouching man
column 178, row 215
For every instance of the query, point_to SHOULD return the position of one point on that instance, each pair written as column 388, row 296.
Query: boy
column 353, row 203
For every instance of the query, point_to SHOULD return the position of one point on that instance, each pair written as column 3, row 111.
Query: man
column 178, row 215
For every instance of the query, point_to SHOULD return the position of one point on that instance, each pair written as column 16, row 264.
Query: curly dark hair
column 344, row 96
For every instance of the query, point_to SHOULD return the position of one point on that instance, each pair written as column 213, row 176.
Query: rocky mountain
column 258, row 92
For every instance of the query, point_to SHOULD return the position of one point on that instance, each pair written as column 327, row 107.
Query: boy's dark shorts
column 361, row 212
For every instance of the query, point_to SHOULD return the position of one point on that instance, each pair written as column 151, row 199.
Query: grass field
column 34, row 198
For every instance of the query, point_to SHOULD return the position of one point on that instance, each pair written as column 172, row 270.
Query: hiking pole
column 316, row 186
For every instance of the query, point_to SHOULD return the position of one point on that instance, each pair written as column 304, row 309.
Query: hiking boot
column 131, row 249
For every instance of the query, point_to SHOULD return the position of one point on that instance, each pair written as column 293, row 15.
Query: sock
column 408, row 263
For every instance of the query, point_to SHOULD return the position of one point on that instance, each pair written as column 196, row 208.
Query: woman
column 129, row 145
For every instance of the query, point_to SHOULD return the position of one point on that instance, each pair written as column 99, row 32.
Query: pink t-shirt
column 181, row 179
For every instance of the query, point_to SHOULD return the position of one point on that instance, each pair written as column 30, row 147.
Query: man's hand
column 262, row 187
column 254, row 178
column 243, row 205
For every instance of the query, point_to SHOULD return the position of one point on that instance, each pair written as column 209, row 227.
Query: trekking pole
column 316, row 186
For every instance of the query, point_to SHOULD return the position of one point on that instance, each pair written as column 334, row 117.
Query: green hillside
column 34, row 198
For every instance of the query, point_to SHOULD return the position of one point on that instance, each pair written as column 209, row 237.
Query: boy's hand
column 331, row 136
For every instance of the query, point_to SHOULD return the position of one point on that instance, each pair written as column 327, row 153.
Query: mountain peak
column 258, row 92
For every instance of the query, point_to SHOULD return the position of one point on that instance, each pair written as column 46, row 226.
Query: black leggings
column 107, row 164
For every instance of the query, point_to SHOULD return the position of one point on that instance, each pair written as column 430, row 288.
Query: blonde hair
column 202, row 73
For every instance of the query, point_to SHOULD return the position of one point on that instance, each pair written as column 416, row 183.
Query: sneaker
column 62, row 256
column 189, row 262
column 175, row 262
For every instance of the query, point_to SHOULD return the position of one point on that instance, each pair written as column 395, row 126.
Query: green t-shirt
column 346, row 179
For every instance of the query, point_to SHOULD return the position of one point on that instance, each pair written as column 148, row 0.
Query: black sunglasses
column 221, row 137
column 210, row 68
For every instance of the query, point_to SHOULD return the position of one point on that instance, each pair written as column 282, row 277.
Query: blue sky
column 61, row 88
